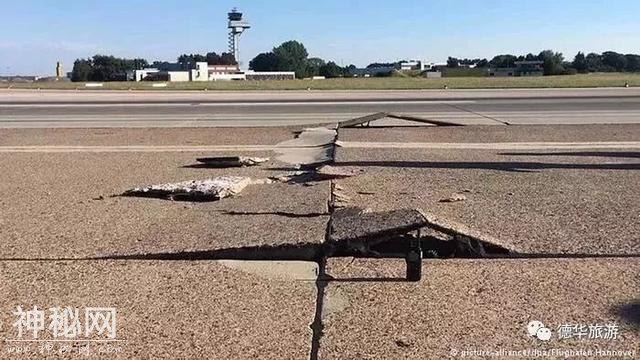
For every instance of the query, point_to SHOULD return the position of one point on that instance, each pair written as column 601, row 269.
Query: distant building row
column 410, row 65
column 521, row 68
column 202, row 71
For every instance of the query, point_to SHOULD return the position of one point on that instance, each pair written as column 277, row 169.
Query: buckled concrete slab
column 462, row 306
column 311, row 147
column 354, row 224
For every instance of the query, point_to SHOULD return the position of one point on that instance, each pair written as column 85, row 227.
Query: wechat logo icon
column 538, row 330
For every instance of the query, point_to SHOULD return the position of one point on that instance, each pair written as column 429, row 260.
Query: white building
column 412, row 65
column 206, row 72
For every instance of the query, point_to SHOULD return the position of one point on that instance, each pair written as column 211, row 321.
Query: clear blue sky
column 34, row 34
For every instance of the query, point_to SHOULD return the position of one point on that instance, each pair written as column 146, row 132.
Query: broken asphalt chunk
column 195, row 190
column 454, row 198
column 328, row 172
column 232, row 161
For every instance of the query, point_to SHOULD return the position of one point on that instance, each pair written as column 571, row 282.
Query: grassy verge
column 391, row 83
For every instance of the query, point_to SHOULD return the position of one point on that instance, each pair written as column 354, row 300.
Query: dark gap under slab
column 365, row 121
column 277, row 213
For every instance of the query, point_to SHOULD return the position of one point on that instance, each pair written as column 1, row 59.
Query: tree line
column 293, row 56
column 554, row 62
column 211, row 58
column 111, row 68
column 105, row 68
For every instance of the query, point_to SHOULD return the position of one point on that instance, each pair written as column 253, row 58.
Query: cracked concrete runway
column 574, row 205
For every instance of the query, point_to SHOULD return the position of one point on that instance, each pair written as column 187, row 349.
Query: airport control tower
column 236, row 27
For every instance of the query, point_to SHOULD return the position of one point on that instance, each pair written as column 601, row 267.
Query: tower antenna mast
column 237, row 25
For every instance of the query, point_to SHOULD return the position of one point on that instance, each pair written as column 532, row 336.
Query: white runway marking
column 140, row 148
column 235, row 104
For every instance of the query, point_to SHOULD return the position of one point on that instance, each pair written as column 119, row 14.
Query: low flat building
column 141, row 75
column 270, row 75
column 224, row 69
column 205, row 72
column 522, row 68
column 372, row 71
column 413, row 65
column 529, row 68
column 502, row 72
column 19, row 79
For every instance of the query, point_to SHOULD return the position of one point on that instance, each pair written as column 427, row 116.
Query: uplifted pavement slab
column 540, row 202
column 60, row 206
column 206, row 309
column 478, row 308
column 495, row 134
column 442, row 115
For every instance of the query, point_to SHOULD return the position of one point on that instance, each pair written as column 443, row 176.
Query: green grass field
column 390, row 83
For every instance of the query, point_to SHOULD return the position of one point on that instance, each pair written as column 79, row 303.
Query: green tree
column 331, row 70
column 531, row 57
column 594, row 62
column 213, row 59
column 228, row 59
column 188, row 60
column 453, row 62
column 482, row 63
column 292, row 56
column 314, row 65
column 265, row 62
column 81, row 70
column 552, row 62
column 135, row 64
column 614, row 61
column 504, row 61
column 633, row 62
column 350, row 70
column 377, row 65
column 580, row 63
column 105, row 68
